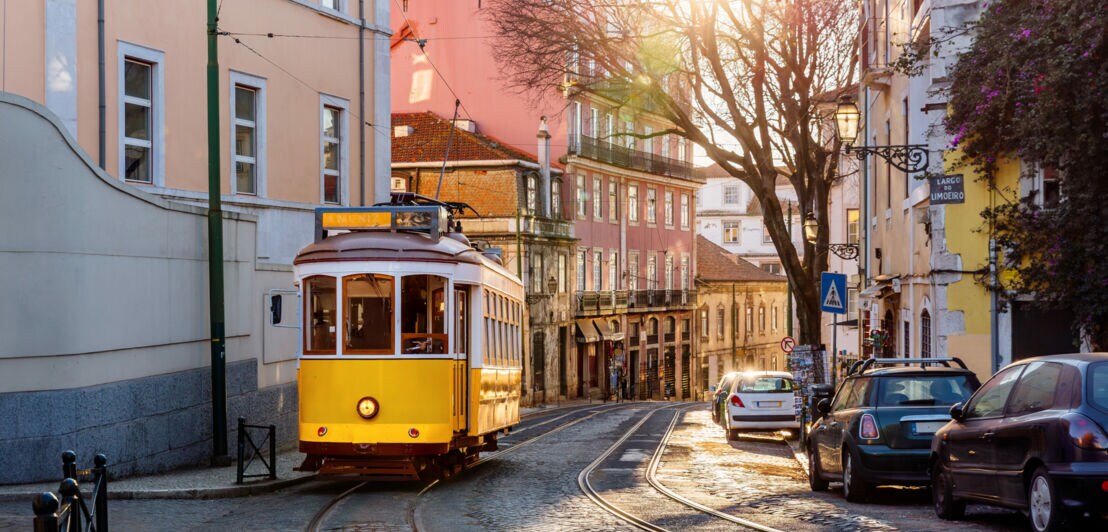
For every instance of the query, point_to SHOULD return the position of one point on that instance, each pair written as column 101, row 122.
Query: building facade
column 629, row 200
column 740, row 314
column 500, row 184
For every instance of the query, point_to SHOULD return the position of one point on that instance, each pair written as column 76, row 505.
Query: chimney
column 544, row 166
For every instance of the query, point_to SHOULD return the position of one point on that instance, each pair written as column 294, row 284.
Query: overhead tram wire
column 449, row 138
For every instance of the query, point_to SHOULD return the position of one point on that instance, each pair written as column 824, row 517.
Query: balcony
column 620, row 301
column 615, row 154
column 660, row 299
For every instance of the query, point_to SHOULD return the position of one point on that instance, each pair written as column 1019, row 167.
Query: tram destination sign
column 946, row 189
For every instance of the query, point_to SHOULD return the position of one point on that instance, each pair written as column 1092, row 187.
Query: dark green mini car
column 878, row 427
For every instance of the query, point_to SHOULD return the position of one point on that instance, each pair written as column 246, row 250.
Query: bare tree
column 747, row 80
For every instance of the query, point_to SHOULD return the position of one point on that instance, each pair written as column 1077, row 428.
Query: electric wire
column 430, row 62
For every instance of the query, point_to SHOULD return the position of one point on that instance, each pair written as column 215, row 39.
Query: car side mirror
column 712, row 388
column 275, row 309
column 823, row 406
column 956, row 412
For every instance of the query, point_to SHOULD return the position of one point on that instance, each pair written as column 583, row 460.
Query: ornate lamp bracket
column 906, row 157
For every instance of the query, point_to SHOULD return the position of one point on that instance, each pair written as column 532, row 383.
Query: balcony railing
column 620, row 300
column 612, row 152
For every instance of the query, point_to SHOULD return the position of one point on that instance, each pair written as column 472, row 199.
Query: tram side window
column 320, row 301
column 423, row 314
column 368, row 314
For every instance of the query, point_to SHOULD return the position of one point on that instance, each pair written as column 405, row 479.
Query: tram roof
column 394, row 246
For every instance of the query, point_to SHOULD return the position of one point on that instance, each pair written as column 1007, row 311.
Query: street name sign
column 832, row 292
column 947, row 189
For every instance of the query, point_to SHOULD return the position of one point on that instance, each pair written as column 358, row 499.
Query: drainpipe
column 544, row 167
column 102, row 153
column 361, row 101
column 863, row 259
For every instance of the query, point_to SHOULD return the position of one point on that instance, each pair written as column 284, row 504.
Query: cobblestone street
column 536, row 487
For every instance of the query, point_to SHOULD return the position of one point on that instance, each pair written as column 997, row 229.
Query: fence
column 52, row 515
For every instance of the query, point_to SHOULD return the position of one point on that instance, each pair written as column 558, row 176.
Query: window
column 580, row 270
column 141, row 111
column 629, row 130
column 648, row 142
column 582, row 210
column 594, row 122
column 766, row 237
column 532, row 189
column 907, row 339
column 853, row 394
column 990, row 399
column 731, row 231
column 555, row 197
column 669, row 271
column 319, row 300
column 665, row 145
column 774, row 317
column 633, row 271
column 609, row 128
column 651, row 206
column 720, row 322
column 597, row 198
column 1098, row 385
column 633, row 203
column 924, row 324
column 762, row 319
column 685, row 211
column 651, row 272
column 536, row 274
column 731, row 195
column 669, row 208
column 575, row 120
column 852, row 313
column 334, row 153
column 685, row 272
column 852, row 226
column 613, row 265
column 613, row 199
column 597, row 268
column 766, row 385
column 704, row 332
column 367, row 314
column 749, row 321
column 680, row 149
column 772, row 267
column 1036, row 389
column 248, row 134
column 561, row 274
column 923, row 390
column 334, row 4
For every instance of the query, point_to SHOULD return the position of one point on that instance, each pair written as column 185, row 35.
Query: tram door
column 461, row 350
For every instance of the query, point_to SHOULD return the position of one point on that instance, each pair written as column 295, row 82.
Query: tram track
column 411, row 510
column 651, row 477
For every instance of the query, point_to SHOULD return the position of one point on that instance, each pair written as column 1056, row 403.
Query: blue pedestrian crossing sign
column 832, row 292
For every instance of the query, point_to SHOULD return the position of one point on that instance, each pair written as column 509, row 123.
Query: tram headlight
column 367, row 407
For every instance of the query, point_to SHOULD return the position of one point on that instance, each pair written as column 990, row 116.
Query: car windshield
column 1098, row 385
column 766, row 385
column 923, row 390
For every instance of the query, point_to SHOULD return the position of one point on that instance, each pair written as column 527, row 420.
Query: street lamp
column 811, row 229
column 905, row 157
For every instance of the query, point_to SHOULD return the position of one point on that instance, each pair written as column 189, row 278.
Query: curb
column 798, row 454
column 227, row 492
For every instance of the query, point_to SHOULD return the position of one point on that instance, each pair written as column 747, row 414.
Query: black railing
column 52, row 515
column 256, row 451
column 613, row 151
column 669, row 338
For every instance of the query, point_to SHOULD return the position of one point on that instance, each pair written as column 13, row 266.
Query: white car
column 760, row 400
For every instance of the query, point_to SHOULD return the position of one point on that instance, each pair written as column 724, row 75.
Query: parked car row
column 1031, row 438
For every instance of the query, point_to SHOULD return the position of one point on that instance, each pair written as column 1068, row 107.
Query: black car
column 878, row 427
column 1031, row 438
column 719, row 394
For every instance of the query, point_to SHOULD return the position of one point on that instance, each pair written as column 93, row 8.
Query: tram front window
column 423, row 314
column 320, row 300
column 368, row 314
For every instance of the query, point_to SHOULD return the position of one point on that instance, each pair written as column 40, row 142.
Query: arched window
column 749, row 320
column 775, row 317
column 925, row 334
column 671, row 324
column 704, row 333
column 761, row 318
column 652, row 326
column 720, row 321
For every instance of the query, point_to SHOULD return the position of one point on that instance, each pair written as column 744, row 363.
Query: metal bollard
column 242, row 451
column 46, row 512
column 71, row 496
column 69, row 464
column 100, row 502
column 273, row 452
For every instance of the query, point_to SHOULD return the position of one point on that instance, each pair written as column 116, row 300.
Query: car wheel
column 1042, row 503
column 942, row 495
column 815, row 478
column 855, row 489
column 732, row 434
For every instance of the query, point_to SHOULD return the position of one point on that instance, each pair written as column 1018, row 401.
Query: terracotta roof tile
column 428, row 142
column 713, row 263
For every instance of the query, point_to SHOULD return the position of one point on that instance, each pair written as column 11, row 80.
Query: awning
column 606, row 333
column 586, row 332
column 848, row 323
column 876, row 291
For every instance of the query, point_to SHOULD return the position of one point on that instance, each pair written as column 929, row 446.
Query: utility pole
column 215, row 254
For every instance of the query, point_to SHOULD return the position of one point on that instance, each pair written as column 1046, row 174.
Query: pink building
column 630, row 200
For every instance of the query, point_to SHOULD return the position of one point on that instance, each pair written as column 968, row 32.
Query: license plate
column 927, row 427
column 769, row 404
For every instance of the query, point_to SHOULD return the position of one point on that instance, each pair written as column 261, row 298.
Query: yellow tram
column 411, row 355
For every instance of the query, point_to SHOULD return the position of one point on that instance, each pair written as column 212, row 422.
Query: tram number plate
column 928, row 427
